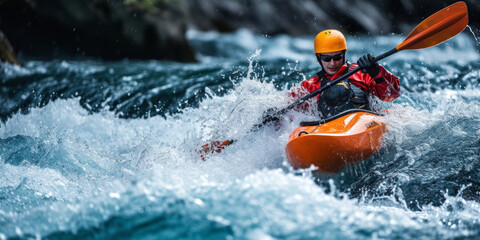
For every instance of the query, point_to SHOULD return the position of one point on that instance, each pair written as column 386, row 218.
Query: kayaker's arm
column 385, row 85
column 302, row 89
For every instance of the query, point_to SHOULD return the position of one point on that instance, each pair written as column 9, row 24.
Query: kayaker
column 330, row 50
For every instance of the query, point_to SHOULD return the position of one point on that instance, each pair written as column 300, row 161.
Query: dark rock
column 6, row 51
column 264, row 17
column 406, row 14
column 105, row 29
column 312, row 16
column 155, row 29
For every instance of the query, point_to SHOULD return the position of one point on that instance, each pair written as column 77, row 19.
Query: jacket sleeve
column 385, row 85
column 305, row 87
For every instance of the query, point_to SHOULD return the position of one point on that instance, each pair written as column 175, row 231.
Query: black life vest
column 341, row 96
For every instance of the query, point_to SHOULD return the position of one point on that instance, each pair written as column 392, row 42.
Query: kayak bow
column 347, row 138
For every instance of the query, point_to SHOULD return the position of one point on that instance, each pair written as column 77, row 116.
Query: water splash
column 79, row 173
column 477, row 41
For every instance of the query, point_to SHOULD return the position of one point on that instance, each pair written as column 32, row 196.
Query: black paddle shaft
column 274, row 116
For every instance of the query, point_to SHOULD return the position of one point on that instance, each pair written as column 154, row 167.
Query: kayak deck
column 348, row 139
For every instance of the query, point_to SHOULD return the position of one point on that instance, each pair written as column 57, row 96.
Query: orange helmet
column 330, row 40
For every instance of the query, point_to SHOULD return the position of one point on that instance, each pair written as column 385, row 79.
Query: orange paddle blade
column 437, row 28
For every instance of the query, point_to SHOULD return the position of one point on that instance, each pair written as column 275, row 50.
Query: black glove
column 270, row 115
column 368, row 65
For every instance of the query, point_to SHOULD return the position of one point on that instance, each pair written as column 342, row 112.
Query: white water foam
column 123, row 165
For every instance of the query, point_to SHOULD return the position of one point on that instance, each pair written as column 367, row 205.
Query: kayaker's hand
column 368, row 65
column 269, row 115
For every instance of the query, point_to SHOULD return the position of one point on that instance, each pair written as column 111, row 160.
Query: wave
column 74, row 167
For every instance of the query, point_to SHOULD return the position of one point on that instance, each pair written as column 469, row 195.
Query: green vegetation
column 146, row 5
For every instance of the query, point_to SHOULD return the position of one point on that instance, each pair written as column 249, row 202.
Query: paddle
column 434, row 30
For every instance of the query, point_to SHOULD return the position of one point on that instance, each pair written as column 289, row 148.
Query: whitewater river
column 93, row 149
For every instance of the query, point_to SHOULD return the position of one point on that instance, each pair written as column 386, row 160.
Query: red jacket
column 387, row 90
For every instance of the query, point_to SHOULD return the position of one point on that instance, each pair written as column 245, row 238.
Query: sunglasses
column 327, row 58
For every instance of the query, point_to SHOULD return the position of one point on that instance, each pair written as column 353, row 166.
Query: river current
column 92, row 149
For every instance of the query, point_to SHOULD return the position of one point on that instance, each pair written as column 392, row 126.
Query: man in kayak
column 330, row 49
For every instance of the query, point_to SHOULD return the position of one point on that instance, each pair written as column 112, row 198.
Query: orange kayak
column 331, row 145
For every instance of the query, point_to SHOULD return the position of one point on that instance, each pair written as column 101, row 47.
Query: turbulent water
column 106, row 150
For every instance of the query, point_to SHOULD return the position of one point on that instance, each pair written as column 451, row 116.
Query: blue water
column 91, row 149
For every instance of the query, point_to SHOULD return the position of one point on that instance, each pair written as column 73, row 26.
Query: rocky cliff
column 6, row 51
column 109, row 29
column 311, row 16
column 155, row 29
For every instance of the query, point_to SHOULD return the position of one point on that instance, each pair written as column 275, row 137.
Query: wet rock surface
column 6, row 51
column 312, row 16
column 118, row 29
column 104, row 29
